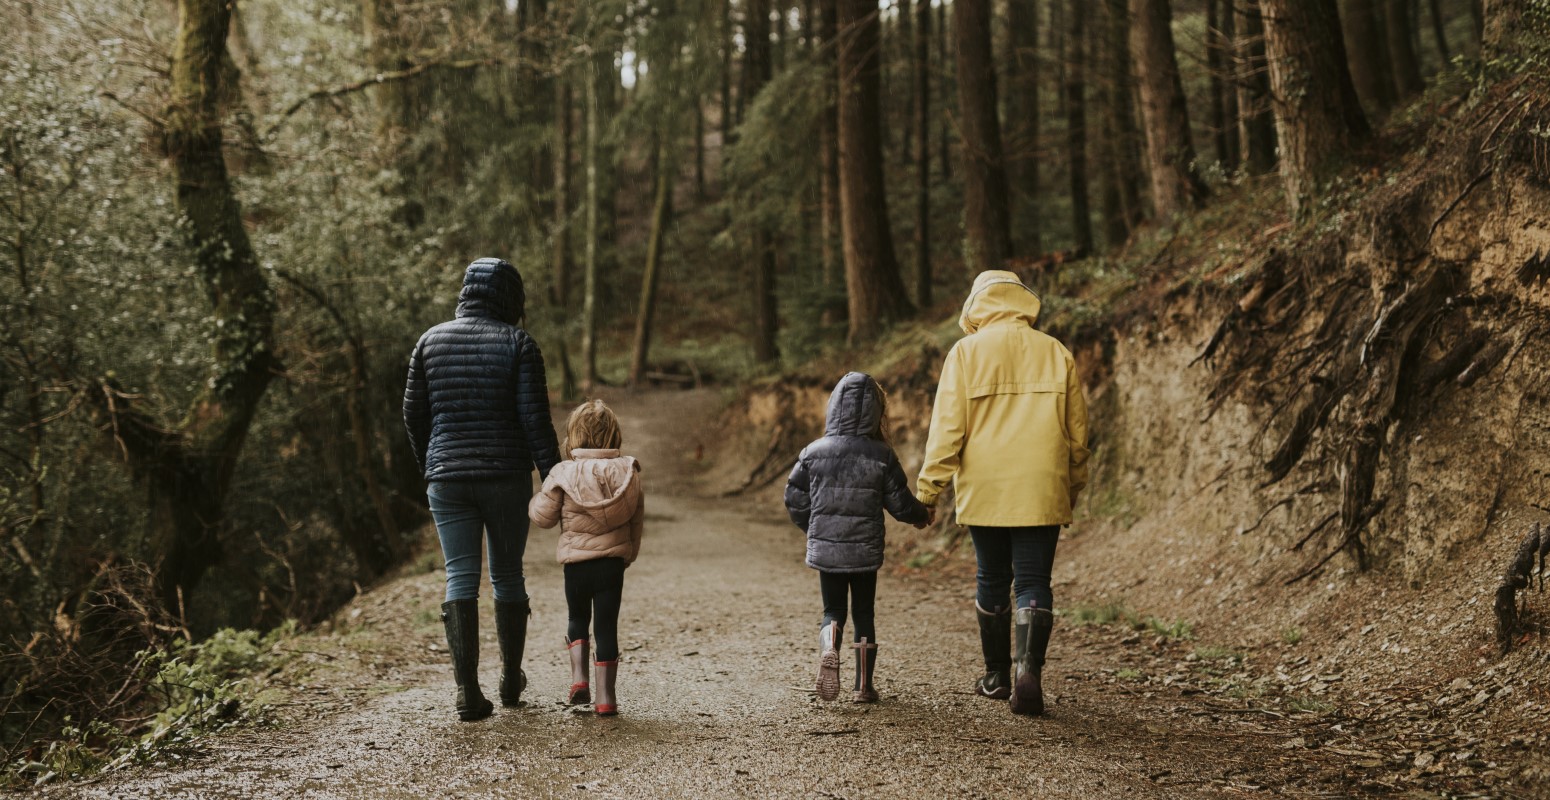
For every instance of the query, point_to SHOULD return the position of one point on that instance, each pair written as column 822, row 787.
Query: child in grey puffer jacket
column 837, row 493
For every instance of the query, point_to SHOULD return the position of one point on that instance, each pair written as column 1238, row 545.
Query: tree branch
column 327, row 92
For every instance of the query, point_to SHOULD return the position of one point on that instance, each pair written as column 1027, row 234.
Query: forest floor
column 719, row 633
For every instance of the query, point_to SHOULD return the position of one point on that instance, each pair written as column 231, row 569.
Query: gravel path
column 719, row 631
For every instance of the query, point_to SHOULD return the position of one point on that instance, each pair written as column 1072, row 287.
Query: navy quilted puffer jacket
column 843, row 482
column 476, row 403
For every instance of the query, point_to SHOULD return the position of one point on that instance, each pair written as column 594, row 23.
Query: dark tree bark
column 945, row 89
column 987, row 223
column 727, row 32
column 1256, row 122
column 561, row 260
column 187, row 468
column 1119, row 141
column 1176, row 185
column 757, row 71
column 699, row 147
column 399, row 105
column 906, row 25
column 1367, row 48
column 1224, row 111
column 1438, row 33
column 1074, row 91
column 1022, row 121
column 1399, row 26
column 1318, row 117
column 922, row 122
column 661, row 216
column 829, row 162
column 876, row 293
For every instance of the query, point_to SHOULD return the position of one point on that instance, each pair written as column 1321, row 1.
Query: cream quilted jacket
column 597, row 501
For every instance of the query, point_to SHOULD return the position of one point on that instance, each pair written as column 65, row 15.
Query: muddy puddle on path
column 719, row 633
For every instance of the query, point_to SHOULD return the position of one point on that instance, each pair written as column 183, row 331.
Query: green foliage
column 192, row 690
column 1292, row 635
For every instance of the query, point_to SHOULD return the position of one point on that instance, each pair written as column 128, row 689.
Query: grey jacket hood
column 492, row 289
column 855, row 407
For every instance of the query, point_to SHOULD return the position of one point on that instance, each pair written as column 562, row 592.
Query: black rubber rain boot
column 829, row 660
column 511, row 631
column 996, row 644
column 1031, row 641
column 461, row 618
column 866, row 665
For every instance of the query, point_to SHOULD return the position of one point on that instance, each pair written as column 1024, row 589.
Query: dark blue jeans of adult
column 479, row 516
column 1014, row 559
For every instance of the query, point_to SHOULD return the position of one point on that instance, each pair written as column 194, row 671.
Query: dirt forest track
column 719, row 629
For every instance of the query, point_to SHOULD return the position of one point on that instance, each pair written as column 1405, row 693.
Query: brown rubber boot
column 866, row 664
column 1031, row 641
column 461, row 618
column 580, row 682
column 606, row 704
column 829, row 660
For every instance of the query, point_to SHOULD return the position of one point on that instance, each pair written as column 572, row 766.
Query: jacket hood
column 855, row 407
column 492, row 289
column 602, row 482
column 997, row 296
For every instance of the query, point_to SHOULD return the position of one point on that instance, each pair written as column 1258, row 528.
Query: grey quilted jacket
column 842, row 483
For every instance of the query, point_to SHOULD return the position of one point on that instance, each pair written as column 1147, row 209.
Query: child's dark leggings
column 593, row 590
column 862, row 589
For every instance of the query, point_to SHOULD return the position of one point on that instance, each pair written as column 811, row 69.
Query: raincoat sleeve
column 949, row 424
column 544, row 508
column 896, row 495
column 417, row 408
column 1076, row 431
column 799, row 498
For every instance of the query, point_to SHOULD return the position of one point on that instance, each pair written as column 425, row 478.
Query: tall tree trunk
column 727, row 45
column 387, row 49
column 829, row 162
column 1434, row 7
column 1120, row 141
column 594, row 231
column 944, row 73
column 922, row 47
column 906, row 47
column 1224, row 117
column 561, row 261
column 699, row 146
column 661, row 215
column 1318, row 117
column 1256, row 123
column 187, row 470
column 1022, row 122
column 757, row 71
column 1074, row 89
column 876, row 293
column 987, row 222
column 1176, row 185
column 1367, row 47
column 1399, row 26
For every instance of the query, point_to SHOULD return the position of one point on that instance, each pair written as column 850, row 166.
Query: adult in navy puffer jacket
column 476, row 406
column 837, row 493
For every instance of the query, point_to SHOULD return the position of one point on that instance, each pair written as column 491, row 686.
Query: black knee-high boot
column 1033, row 629
column 511, row 630
column 461, row 618
column 996, row 645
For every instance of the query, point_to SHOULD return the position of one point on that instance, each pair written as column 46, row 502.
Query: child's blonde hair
column 882, row 417
column 592, row 426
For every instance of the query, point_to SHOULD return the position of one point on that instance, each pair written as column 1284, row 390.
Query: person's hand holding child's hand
column 930, row 518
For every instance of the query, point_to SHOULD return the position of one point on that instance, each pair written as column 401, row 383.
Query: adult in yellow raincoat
column 1009, row 431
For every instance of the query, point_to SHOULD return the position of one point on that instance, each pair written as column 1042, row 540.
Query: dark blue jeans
column 1015, row 558
column 469, row 513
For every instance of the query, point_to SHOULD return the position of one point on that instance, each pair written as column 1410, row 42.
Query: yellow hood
column 998, row 295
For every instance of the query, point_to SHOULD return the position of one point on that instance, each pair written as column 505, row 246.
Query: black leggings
column 595, row 587
column 862, row 588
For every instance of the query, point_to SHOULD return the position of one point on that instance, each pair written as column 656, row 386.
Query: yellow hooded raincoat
column 1009, row 427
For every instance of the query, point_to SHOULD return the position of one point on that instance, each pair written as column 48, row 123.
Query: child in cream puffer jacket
column 595, row 497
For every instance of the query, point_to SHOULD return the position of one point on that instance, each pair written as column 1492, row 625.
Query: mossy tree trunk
column 187, row 468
